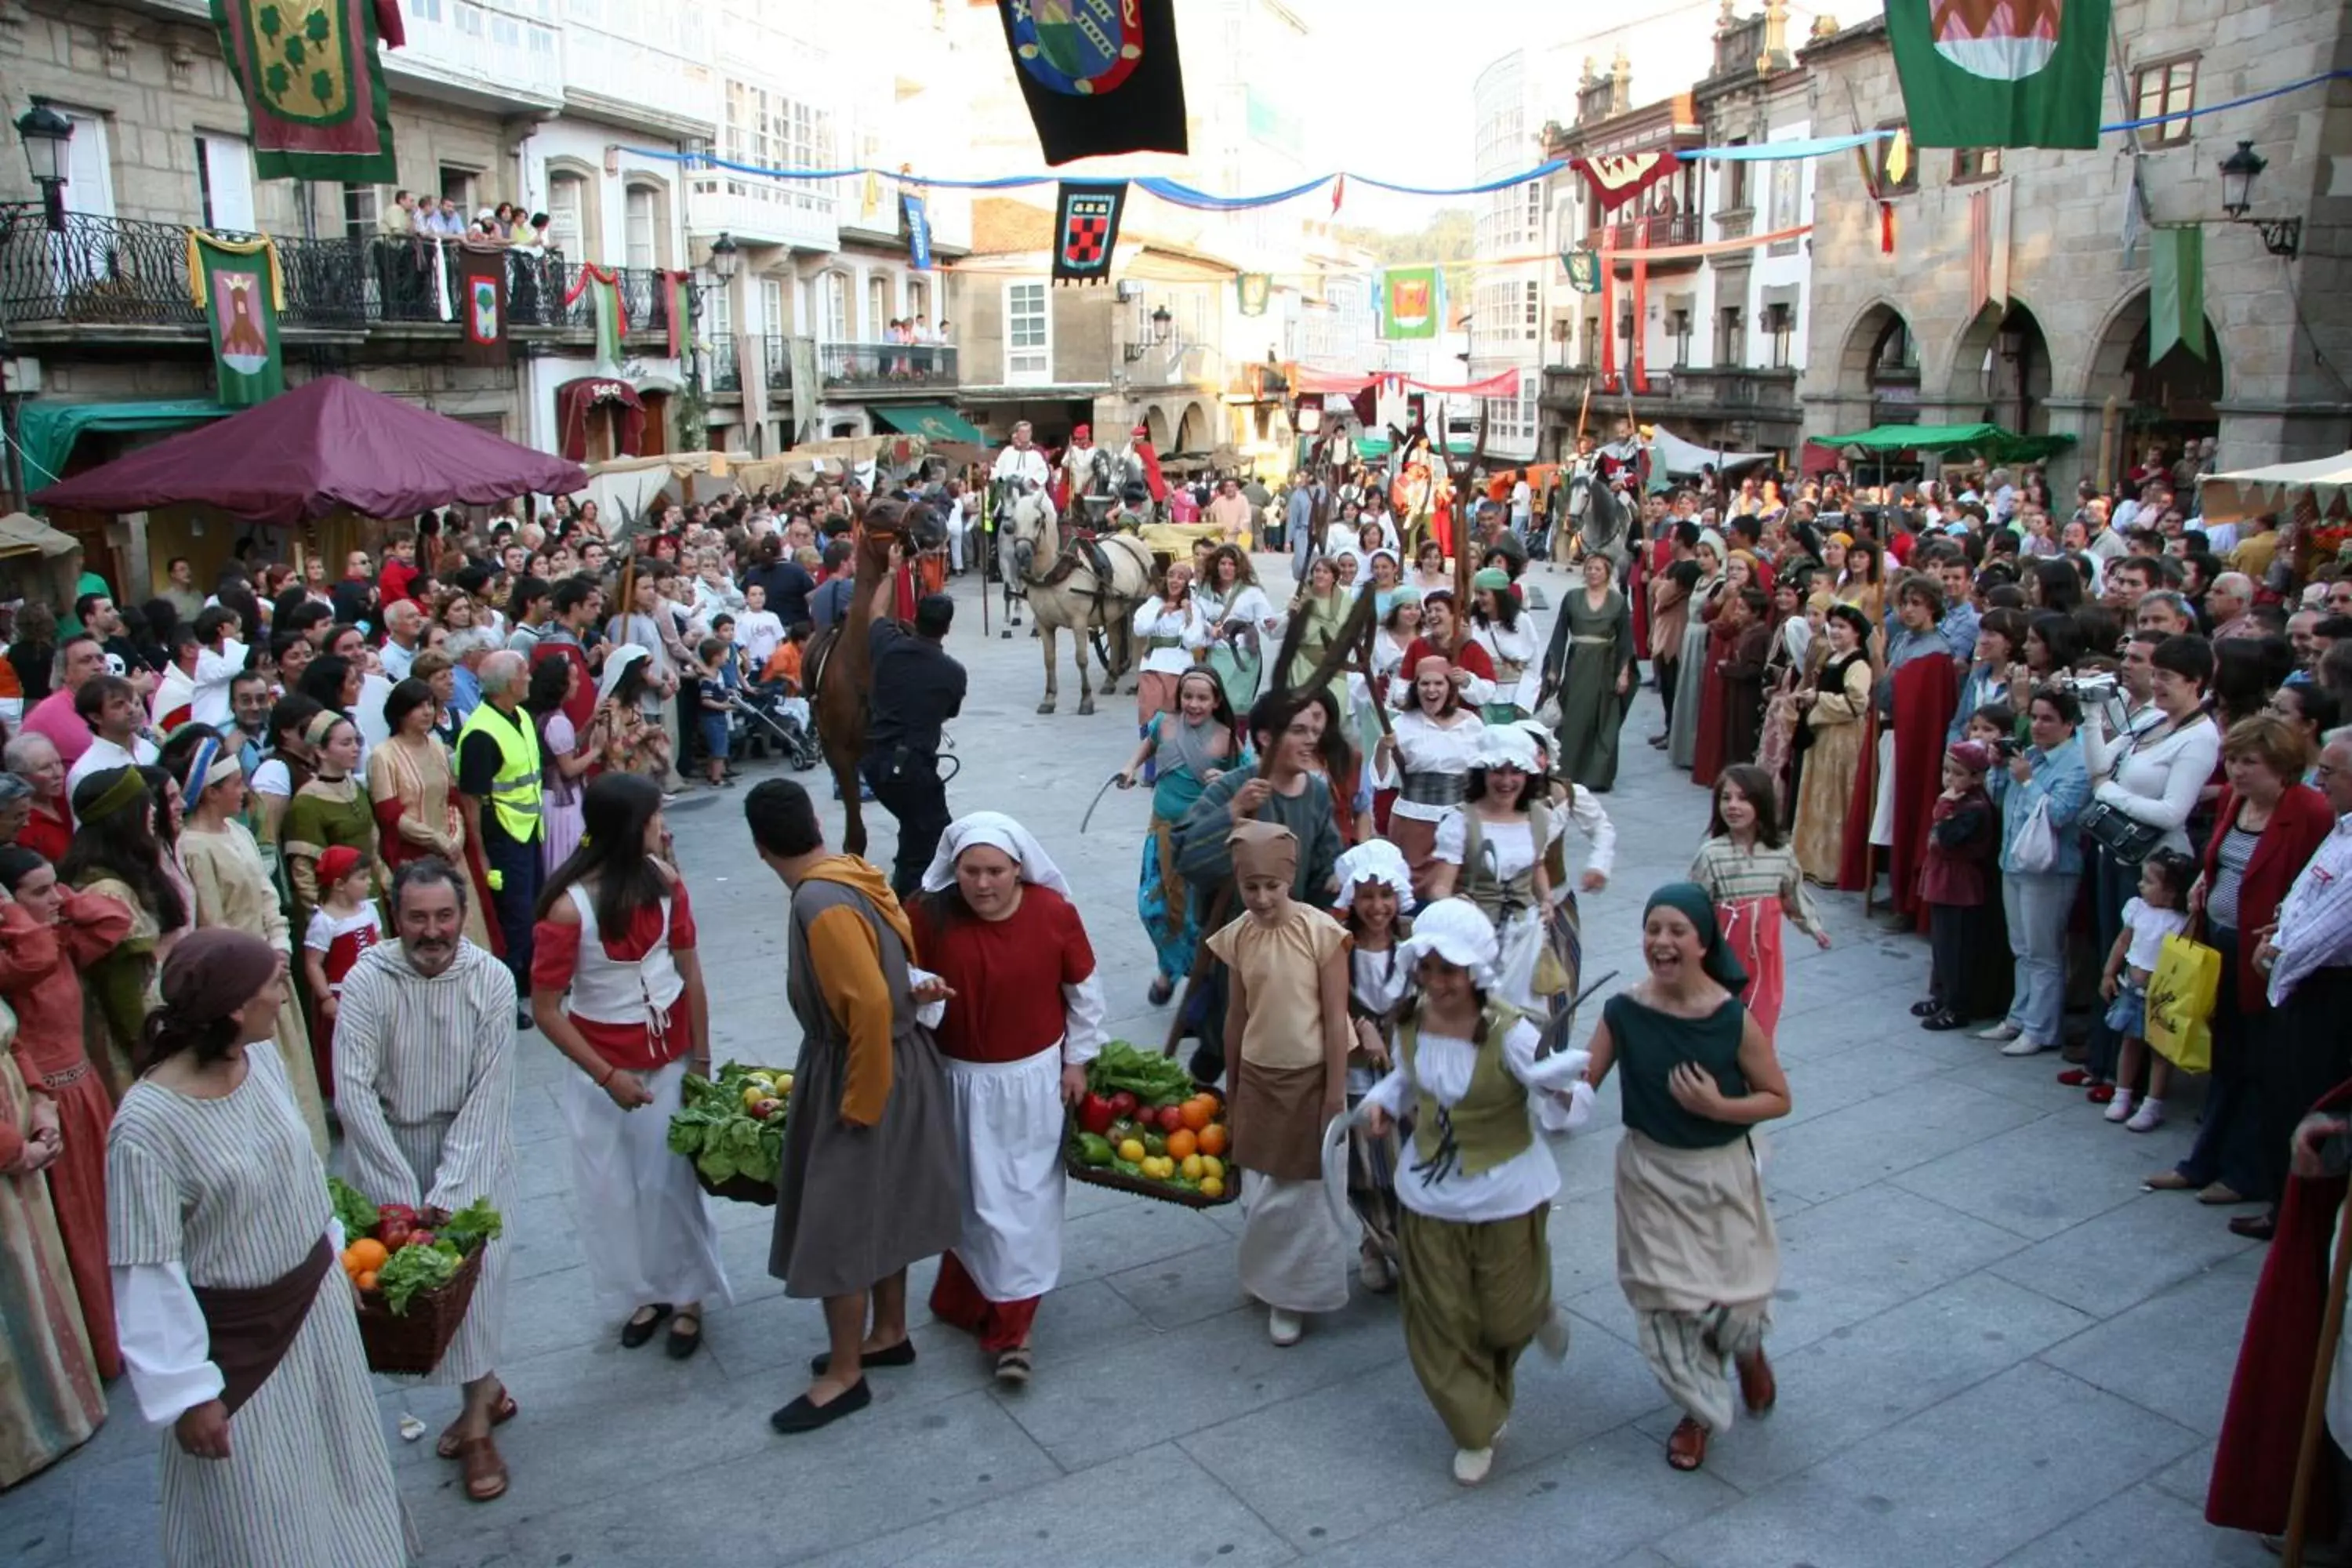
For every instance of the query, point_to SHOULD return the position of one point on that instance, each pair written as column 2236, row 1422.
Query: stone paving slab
column 1993, row 1346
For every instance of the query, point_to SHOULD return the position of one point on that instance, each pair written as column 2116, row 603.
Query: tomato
column 417, row 1238
column 1171, row 1117
column 394, row 1233
column 1122, row 1104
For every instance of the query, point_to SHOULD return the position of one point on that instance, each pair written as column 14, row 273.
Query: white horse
column 1598, row 516
column 1073, row 588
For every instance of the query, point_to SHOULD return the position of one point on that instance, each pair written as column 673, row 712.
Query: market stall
column 2276, row 487
column 330, row 457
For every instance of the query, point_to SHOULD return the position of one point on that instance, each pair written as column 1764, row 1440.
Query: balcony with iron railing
column 1650, row 231
column 104, row 277
column 877, row 370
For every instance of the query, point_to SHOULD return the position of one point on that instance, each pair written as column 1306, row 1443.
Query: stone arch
column 1192, row 431
column 2177, row 398
column 1155, row 427
column 1879, row 365
column 2000, row 369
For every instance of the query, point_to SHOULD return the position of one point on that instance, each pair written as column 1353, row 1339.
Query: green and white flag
column 1410, row 302
column 2176, row 291
column 238, row 285
column 2000, row 73
column 603, row 287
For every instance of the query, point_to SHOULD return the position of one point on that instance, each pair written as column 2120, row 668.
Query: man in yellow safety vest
column 498, row 791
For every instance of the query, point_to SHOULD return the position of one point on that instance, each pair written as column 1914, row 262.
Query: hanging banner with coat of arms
column 1250, row 291
column 1410, row 302
column 1099, row 75
column 482, row 303
column 1085, row 230
column 238, row 285
column 1583, row 265
column 2000, row 73
column 313, row 85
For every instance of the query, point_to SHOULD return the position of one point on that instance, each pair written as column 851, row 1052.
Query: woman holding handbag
column 2145, row 776
column 2268, row 826
column 2040, row 866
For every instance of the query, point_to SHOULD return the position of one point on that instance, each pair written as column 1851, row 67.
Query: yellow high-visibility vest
column 514, row 793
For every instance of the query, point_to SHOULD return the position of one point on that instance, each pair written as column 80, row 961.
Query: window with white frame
column 772, row 131
column 772, row 307
column 1028, row 334
column 719, row 320
column 1530, row 310
column 833, row 307
column 1532, row 217
column 567, row 200
column 644, row 211
column 879, row 313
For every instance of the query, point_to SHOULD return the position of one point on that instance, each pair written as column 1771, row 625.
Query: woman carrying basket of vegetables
column 1024, row 1018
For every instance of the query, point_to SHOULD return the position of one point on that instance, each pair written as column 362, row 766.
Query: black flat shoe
column 1942, row 1021
column 636, row 1332
column 1926, row 1009
column 804, row 1415
column 684, row 1341
column 2254, row 1227
column 1162, row 990
column 900, row 1355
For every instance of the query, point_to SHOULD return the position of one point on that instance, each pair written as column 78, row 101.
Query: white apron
column 1009, row 1121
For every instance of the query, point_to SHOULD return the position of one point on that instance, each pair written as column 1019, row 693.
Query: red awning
column 328, row 445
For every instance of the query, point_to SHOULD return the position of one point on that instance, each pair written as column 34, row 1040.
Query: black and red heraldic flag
column 1085, row 230
column 1099, row 76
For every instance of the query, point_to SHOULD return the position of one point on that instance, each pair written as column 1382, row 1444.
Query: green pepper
column 1093, row 1150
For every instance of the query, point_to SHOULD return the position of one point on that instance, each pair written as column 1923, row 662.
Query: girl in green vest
column 1696, row 1253
column 1474, row 1181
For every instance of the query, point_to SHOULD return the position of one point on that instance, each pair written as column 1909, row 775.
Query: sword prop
column 1089, row 817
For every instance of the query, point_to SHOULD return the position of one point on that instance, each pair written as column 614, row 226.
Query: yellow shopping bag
column 2180, row 995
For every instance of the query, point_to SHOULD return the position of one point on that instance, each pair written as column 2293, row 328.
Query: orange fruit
column 1212, row 1139
column 366, row 1280
column 1198, row 1112
column 365, row 1256
column 1182, row 1142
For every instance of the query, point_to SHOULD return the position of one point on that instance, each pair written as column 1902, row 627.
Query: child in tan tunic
column 1288, row 1009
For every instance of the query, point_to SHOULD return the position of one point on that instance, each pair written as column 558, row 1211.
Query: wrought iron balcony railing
column 886, row 367
column 118, row 272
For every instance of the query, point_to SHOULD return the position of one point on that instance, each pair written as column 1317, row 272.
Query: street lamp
column 2281, row 236
column 725, row 256
column 1162, row 324
column 45, row 133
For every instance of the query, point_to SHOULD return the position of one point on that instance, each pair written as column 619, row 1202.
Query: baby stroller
column 764, row 716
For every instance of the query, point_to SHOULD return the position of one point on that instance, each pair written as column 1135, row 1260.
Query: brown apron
column 252, row 1329
column 1277, row 1121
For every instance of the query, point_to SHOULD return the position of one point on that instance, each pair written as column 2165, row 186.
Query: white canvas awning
column 2250, row 492
column 1673, row 455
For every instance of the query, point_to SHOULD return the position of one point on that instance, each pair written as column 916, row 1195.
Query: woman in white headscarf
column 1025, row 1016
column 1474, row 1181
column 632, row 743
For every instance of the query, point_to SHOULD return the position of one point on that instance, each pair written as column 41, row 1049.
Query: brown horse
column 841, row 668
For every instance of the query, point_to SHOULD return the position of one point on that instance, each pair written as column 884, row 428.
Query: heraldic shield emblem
column 1082, row 47
column 1088, row 232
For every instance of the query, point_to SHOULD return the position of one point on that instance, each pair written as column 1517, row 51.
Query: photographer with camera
column 2148, row 770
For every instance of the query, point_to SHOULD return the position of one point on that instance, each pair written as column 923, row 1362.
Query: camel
column 839, row 662
column 1078, row 590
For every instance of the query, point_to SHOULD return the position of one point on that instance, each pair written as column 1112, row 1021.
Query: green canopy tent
column 1989, row 442
column 933, row 421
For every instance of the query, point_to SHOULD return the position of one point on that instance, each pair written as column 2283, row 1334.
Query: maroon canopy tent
column 328, row 445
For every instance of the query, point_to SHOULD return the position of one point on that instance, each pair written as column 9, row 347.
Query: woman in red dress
column 48, row 930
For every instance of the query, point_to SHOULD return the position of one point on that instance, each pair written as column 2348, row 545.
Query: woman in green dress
column 116, row 854
column 1697, row 1254
column 1591, row 664
column 329, row 809
column 1324, row 605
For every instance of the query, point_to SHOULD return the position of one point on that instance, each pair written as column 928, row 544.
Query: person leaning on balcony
column 399, row 220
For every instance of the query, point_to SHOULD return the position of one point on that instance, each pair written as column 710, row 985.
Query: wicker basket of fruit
column 732, row 1126
column 415, row 1285
column 1144, row 1128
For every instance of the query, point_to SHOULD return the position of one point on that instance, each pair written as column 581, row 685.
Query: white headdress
column 1374, row 860
column 998, row 831
column 1456, row 931
column 1509, row 746
column 616, row 665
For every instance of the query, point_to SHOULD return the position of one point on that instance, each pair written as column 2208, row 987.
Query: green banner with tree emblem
column 239, row 286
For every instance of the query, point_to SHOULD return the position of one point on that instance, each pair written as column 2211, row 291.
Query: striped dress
column 425, row 1085
column 1753, row 889
column 50, row 1401
column 231, row 1189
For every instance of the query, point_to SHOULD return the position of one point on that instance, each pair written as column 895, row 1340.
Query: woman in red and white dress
column 1024, row 1017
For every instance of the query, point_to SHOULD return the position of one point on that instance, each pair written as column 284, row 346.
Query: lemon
column 755, row 1092
column 1192, row 1168
column 1211, row 1167
column 1131, row 1152
column 1212, row 1187
column 783, row 1083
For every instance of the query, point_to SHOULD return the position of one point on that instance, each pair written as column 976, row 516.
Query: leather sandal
column 504, row 1411
column 1686, row 1449
column 1758, row 1389
column 486, row 1473
column 1014, row 1366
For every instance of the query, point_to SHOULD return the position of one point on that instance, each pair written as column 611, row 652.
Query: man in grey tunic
column 425, row 1086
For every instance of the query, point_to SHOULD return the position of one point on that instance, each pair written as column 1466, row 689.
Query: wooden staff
column 2314, row 1409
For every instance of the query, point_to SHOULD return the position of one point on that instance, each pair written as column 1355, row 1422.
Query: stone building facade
column 1895, row 336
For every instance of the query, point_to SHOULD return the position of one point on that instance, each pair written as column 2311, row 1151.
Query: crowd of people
column 330, row 848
